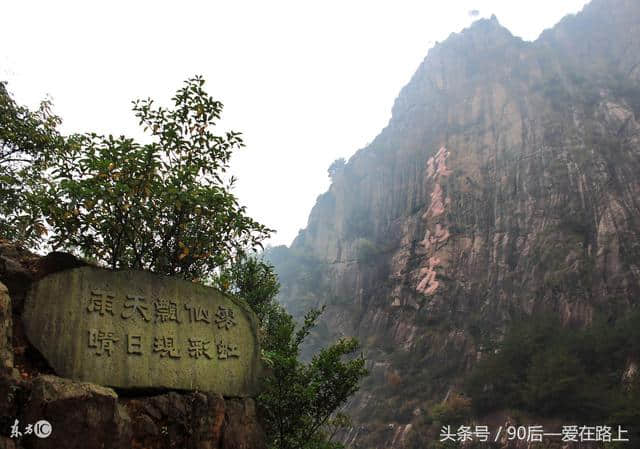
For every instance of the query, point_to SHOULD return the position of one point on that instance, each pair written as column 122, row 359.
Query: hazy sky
column 306, row 82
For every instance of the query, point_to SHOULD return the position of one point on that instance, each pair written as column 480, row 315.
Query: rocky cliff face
column 89, row 416
column 505, row 184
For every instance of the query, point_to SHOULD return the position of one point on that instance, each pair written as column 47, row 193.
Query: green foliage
column 300, row 398
column 365, row 250
column 166, row 206
column 454, row 411
column 162, row 206
column 550, row 370
column 553, row 377
column 254, row 281
column 300, row 401
column 27, row 142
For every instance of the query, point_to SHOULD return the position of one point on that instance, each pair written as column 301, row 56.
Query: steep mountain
column 506, row 186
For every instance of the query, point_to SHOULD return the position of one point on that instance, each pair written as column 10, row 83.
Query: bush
column 28, row 140
column 550, row 370
column 300, row 401
column 454, row 411
column 162, row 206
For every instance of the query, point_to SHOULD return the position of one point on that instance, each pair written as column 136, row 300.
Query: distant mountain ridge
column 504, row 186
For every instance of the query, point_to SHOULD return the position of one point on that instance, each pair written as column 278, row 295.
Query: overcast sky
column 306, row 82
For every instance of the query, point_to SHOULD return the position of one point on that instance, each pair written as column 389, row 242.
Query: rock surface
column 506, row 183
column 86, row 415
column 133, row 329
column 81, row 414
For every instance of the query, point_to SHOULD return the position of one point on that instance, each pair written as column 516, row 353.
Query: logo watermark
column 41, row 429
column 536, row 433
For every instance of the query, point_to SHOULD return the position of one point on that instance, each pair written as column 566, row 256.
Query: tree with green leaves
column 165, row 206
column 28, row 140
column 254, row 281
column 300, row 401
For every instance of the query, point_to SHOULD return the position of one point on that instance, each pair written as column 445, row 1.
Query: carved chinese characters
column 134, row 307
column 136, row 330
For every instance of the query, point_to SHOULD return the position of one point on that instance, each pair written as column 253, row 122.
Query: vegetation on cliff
column 543, row 367
column 503, row 189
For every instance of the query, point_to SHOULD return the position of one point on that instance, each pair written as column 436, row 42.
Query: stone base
column 89, row 416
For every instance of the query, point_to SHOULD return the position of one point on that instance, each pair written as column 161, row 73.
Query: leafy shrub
column 162, row 206
column 300, row 401
column 550, row 370
column 28, row 140
column 455, row 410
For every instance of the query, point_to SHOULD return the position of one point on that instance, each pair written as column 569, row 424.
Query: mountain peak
column 491, row 21
column 476, row 54
column 490, row 26
column 502, row 189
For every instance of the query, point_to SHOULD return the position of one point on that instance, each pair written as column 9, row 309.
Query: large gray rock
column 133, row 329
